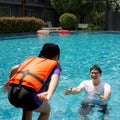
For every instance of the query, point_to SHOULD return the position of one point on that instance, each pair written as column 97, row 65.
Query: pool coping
column 56, row 31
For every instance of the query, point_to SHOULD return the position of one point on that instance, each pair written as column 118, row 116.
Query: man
column 97, row 92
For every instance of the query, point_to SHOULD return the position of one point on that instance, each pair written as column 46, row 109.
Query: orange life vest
column 33, row 72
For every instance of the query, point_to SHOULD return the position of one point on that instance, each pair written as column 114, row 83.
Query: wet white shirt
column 92, row 91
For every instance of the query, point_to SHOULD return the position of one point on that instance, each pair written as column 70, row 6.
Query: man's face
column 94, row 74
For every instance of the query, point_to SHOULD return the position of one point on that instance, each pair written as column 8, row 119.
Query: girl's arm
column 45, row 96
column 12, row 72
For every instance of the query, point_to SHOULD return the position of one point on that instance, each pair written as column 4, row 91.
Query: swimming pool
column 79, row 51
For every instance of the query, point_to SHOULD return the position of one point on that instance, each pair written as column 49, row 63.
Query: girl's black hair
column 49, row 51
column 96, row 67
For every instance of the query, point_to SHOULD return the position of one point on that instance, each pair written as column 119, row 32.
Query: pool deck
column 52, row 29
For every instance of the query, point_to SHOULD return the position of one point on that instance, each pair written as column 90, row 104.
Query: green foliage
column 68, row 21
column 113, row 5
column 99, row 19
column 85, row 8
column 94, row 27
column 63, row 6
column 19, row 25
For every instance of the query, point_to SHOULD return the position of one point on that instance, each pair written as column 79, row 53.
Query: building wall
column 116, row 21
column 33, row 8
column 113, row 21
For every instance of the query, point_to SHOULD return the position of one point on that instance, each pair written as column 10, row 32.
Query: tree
column 85, row 7
column 62, row 6
column 90, row 8
column 78, row 7
column 114, row 5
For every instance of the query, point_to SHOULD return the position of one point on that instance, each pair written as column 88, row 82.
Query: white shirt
column 92, row 91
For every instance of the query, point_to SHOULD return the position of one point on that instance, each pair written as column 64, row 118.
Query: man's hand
column 101, row 97
column 67, row 91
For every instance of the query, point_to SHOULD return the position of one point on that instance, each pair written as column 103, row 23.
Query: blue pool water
column 79, row 51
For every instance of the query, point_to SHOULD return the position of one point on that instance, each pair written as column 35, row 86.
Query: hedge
column 20, row 24
column 68, row 21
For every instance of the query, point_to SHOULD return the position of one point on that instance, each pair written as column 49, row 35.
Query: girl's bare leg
column 27, row 115
column 44, row 111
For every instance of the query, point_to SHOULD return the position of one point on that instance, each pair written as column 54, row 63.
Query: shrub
column 68, row 21
column 19, row 24
column 94, row 27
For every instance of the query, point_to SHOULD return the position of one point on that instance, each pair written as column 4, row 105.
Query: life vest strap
column 28, row 73
column 21, row 79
